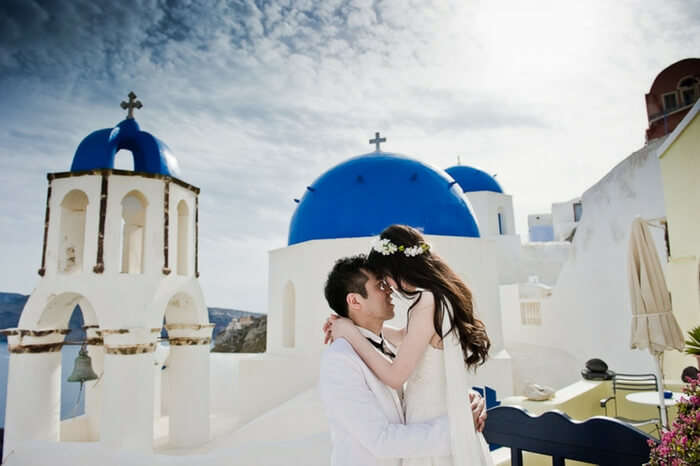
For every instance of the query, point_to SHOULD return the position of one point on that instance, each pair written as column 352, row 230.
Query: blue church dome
column 365, row 194
column 472, row 179
column 98, row 149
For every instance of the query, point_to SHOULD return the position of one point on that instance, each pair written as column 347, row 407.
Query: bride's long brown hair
column 428, row 271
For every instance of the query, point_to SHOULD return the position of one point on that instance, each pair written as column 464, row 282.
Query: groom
column 366, row 417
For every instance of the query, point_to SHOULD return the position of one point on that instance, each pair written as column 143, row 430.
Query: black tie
column 380, row 347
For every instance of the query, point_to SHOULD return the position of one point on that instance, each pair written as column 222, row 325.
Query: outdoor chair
column 626, row 383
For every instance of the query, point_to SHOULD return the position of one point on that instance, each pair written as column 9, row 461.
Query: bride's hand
column 342, row 327
column 478, row 405
column 327, row 328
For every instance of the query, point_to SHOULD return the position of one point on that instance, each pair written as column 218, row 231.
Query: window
column 688, row 96
column 133, row 226
column 670, row 102
column 530, row 313
column 182, row 237
column 500, row 224
column 688, row 91
column 73, row 209
column 578, row 211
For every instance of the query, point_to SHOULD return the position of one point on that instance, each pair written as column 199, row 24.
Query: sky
column 256, row 99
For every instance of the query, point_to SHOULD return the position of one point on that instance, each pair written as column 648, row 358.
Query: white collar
column 376, row 338
column 369, row 334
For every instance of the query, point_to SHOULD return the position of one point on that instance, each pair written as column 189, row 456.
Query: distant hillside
column 221, row 317
column 250, row 338
column 11, row 305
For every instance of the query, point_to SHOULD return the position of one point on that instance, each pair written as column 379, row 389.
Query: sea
column 71, row 403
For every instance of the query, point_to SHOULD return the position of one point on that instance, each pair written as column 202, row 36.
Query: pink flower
column 680, row 446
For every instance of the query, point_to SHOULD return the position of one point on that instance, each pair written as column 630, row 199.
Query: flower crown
column 385, row 247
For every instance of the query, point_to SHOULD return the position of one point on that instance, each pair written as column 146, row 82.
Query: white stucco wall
column 563, row 219
column 537, row 353
column 540, row 227
column 486, row 205
column 244, row 386
column 544, row 260
column 588, row 313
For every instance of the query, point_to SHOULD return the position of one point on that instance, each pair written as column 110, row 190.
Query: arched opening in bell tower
column 124, row 160
column 72, row 239
column 80, row 407
column 288, row 316
column 183, row 221
column 133, row 232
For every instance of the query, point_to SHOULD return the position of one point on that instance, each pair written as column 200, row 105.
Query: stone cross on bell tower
column 377, row 141
column 131, row 105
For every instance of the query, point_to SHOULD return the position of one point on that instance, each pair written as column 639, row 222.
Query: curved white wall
column 588, row 314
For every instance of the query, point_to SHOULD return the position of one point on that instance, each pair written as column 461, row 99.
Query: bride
column 441, row 340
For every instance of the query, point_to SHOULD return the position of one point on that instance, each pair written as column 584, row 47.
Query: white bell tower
column 122, row 245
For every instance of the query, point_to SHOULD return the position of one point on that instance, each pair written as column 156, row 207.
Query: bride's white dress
column 425, row 398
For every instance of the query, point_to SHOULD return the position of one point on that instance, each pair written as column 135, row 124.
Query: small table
column 652, row 398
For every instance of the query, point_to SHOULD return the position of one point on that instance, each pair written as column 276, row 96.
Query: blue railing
column 598, row 440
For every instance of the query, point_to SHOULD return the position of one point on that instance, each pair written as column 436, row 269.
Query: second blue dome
column 365, row 194
column 472, row 179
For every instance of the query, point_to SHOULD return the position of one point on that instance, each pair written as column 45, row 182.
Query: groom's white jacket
column 366, row 418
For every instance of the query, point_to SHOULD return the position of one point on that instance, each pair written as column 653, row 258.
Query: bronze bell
column 82, row 370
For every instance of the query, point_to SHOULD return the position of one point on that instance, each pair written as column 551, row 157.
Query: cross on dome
column 376, row 141
column 131, row 105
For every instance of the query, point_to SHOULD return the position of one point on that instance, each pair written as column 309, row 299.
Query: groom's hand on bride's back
column 327, row 328
column 478, row 410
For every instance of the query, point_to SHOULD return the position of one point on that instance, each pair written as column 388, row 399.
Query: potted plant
column 680, row 446
column 692, row 344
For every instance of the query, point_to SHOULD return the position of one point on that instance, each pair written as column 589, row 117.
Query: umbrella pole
column 660, row 381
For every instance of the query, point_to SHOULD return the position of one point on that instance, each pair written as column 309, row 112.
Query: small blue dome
column 98, row 149
column 472, row 179
column 365, row 194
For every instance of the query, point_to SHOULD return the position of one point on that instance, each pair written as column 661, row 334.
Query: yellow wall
column 680, row 175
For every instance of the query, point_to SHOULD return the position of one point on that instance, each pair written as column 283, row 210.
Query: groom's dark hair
column 347, row 276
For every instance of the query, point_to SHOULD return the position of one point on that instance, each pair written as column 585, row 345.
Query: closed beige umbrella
column 653, row 324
